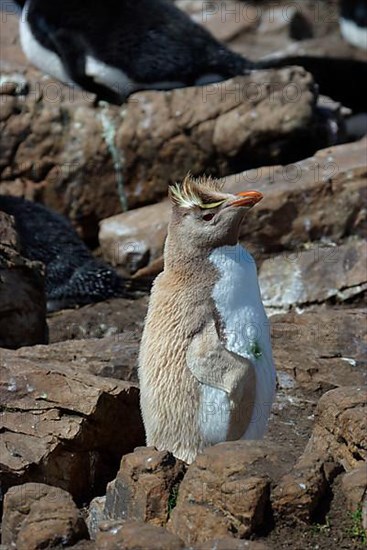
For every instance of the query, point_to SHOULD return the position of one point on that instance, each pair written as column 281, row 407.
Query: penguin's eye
column 208, row 217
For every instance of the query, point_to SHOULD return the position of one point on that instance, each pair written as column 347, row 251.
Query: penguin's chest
column 237, row 298
column 245, row 331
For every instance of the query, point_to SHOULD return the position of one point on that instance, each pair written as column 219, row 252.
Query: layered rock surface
column 90, row 179
column 318, row 199
column 63, row 425
column 40, row 516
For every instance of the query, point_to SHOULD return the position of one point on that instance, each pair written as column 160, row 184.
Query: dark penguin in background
column 73, row 276
column 115, row 47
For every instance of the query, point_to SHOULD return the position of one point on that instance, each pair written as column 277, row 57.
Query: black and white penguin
column 73, row 276
column 116, row 47
column 353, row 22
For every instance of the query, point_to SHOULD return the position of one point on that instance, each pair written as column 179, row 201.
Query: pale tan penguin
column 205, row 367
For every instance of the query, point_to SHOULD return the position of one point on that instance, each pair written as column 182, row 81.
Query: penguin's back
column 245, row 326
column 169, row 393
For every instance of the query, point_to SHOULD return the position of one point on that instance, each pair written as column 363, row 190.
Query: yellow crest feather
column 192, row 192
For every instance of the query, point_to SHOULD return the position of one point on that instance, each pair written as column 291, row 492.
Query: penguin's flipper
column 71, row 50
column 212, row 364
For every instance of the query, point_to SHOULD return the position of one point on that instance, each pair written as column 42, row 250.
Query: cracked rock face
column 338, row 442
column 340, row 426
column 354, row 484
column 136, row 536
column 119, row 317
column 145, row 486
column 321, row 198
column 236, row 123
column 109, row 357
column 39, row 516
column 315, row 275
column 245, row 122
column 320, row 349
column 62, row 424
column 226, row 491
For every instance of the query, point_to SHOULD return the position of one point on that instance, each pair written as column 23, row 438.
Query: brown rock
column 62, row 151
column 8, row 234
column 338, row 441
column 62, row 424
column 151, row 270
column 135, row 238
column 258, row 29
column 136, row 536
column 314, row 275
column 319, row 349
column 22, row 299
column 153, row 140
column 340, row 427
column 84, row 545
column 95, row 515
column 144, row 486
column 300, row 492
column 228, row 543
column 297, row 28
column 119, row 317
column 225, row 123
column 225, row 492
column 334, row 182
column 39, row 516
column 111, row 356
column 354, row 485
column 225, row 22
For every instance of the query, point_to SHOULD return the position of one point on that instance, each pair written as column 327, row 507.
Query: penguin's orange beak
column 246, row 198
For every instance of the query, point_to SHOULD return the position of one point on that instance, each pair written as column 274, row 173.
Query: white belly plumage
column 237, row 298
column 43, row 58
column 352, row 33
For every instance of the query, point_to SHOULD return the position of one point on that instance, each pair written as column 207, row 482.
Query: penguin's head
column 203, row 216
